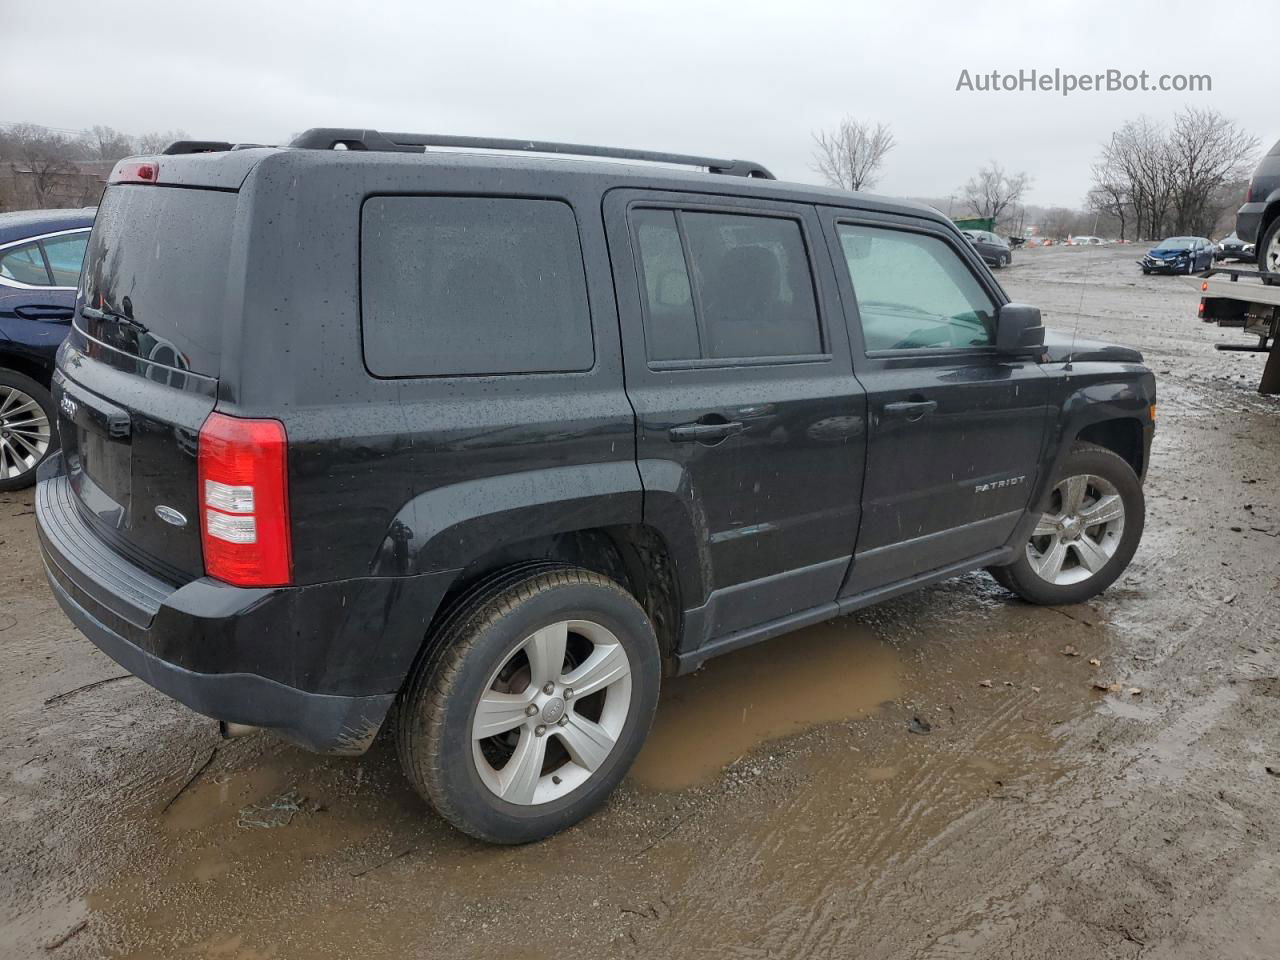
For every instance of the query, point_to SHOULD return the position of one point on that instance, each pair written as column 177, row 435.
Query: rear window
column 155, row 274
column 1275, row 151
column 463, row 286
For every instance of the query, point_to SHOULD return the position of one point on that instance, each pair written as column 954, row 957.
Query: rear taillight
column 136, row 171
column 1248, row 196
column 244, row 502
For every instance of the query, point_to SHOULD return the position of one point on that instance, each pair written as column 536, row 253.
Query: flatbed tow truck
column 1239, row 298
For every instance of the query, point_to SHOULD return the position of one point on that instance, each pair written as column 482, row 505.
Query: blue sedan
column 1179, row 255
column 40, row 256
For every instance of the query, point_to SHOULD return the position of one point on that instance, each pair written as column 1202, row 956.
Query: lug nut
column 568, row 694
column 563, row 721
column 530, row 710
column 539, row 730
column 549, row 689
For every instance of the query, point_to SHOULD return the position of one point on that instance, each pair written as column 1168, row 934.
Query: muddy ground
column 790, row 803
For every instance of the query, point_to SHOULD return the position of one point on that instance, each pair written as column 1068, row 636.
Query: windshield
column 1174, row 242
column 155, row 274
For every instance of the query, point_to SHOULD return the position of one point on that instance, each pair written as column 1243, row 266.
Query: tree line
column 50, row 159
column 1150, row 181
column 1155, row 181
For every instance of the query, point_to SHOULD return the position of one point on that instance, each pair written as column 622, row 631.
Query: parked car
column 40, row 255
column 1258, row 221
column 1179, row 255
column 1231, row 247
column 503, row 440
column 993, row 248
column 1086, row 241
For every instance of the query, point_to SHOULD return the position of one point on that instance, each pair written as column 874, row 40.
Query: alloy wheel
column 552, row 713
column 25, row 433
column 1080, row 533
column 1271, row 256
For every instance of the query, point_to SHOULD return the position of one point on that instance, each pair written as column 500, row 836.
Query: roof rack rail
column 329, row 138
column 195, row 146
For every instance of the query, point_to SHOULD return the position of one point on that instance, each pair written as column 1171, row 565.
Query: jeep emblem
column 170, row 515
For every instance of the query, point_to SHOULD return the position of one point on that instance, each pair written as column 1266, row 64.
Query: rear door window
column 464, row 286
column 24, row 264
column 723, row 286
column 65, row 255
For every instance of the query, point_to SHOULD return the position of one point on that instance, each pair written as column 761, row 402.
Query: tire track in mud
column 856, row 873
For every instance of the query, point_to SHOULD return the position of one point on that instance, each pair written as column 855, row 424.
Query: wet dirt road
column 850, row 790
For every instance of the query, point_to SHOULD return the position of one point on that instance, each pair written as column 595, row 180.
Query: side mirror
column 1018, row 329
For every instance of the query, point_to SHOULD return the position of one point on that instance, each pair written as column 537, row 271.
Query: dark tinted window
column 914, row 291
column 24, row 265
column 671, row 328
column 753, row 288
column 65, row 254
column 470, row 285
column 155, row 275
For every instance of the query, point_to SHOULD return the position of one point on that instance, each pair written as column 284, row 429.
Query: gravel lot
column 789, row 803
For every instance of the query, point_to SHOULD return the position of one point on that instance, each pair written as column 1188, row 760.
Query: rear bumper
column 319, row 664
column 320, row 722
column 1248, row 220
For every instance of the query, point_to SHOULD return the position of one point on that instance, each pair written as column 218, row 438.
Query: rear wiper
column 93, row 313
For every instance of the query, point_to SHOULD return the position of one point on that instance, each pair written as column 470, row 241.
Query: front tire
column 1087, row 534
column 28, row 429
column 534, row 706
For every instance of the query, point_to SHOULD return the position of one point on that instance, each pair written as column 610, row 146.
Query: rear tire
column 499, row 691
column 1069, row 559
column 28, row 429
column 1268, row 251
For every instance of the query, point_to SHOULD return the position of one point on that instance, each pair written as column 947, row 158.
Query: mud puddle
column 822, row 674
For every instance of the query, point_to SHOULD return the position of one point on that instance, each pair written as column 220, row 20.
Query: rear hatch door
column 138, row 375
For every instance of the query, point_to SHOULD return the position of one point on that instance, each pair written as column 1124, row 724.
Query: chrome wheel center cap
column 552, row 710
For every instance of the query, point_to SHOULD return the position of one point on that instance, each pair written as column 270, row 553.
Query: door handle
column 911, row 410
column 706, row 433
column 44, row 313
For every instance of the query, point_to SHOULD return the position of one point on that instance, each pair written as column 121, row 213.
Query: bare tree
column 1058, row 223
column 993, row 191
column 1175, row 180
column 157, row 140
column 1206, row 151
column 108, row 144
column 851, row 155
column 46, row 156
column 1109, row 196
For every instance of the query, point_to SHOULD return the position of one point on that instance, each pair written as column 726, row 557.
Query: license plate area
column 98, row 451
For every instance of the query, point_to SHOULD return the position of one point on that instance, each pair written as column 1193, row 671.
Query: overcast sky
column 742, row 79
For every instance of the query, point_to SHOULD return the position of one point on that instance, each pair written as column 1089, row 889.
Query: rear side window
column 458, row 286
column 155, row 274
column 24, row 264
column 65, row 254
column 725, row 286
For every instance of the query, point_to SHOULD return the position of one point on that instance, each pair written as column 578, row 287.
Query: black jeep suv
column 500, row 440
column 1258, row 220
